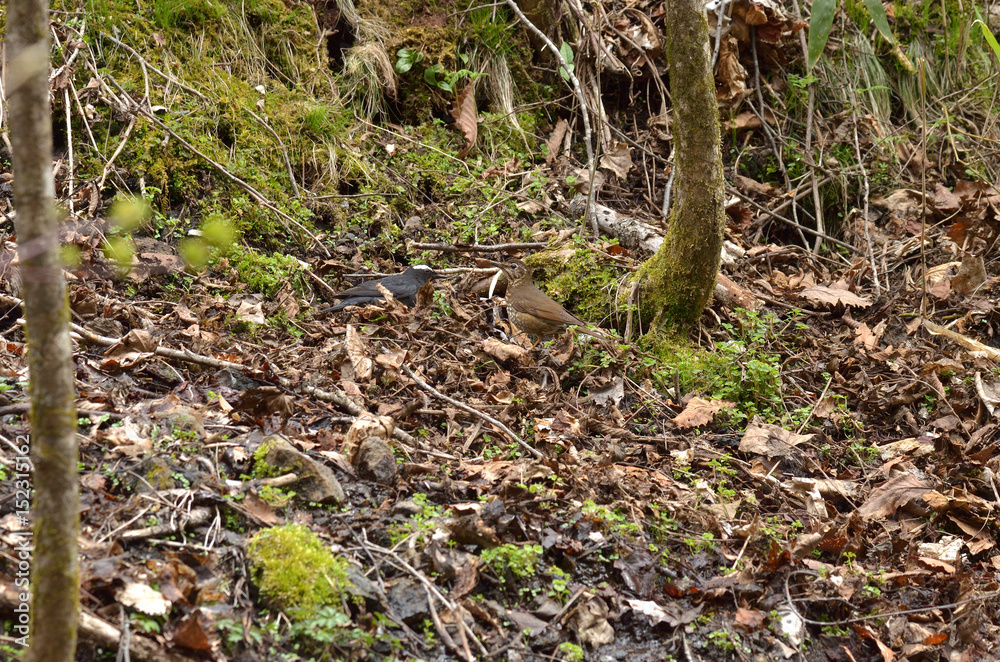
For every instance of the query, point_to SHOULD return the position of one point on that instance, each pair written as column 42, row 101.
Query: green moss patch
column 295, row 571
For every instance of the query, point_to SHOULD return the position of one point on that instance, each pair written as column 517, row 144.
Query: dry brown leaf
column 617, row 160
column 834, row 296
column 770, row 440
column 356, row 352
column 730, row 74
column 555, row 141
column 391, row 360
column 138, row 345
column 945, row 201
column 971, row 275
column 250, row 311
column 891, row 495
column 590, row 623
column 700, row 412
column 196, row 632
column 532, row 207
column 940, row 272
column 503, row 351
column 466, row 121
column 750, row 618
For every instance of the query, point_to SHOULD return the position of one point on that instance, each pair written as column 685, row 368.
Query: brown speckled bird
column 531, row 310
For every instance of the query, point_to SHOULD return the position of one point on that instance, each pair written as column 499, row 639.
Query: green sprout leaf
column 877, row 12
column 406, row 58
column 990, row 39
column 567, row 53
column 820, row 24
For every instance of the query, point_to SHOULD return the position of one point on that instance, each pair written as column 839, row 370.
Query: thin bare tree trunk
column 678, row 281
column 55, row 569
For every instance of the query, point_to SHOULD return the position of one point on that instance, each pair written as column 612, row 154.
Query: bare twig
column 69, row 148
column 804, row 228
column 118, row 150
column 165, row 76
column 923, row 186
column 865, row 185
column 475, row 412
column 810, row 109
column 443, row 631
column 431, row 588
column 284, row 152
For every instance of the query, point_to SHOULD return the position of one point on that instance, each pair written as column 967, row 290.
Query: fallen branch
column 790, row 222
column 470, row 410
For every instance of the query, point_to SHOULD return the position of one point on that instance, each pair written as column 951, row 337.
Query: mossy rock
column 296, row 572
column 316, row 482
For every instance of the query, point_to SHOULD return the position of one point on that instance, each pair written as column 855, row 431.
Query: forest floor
column 811, row 474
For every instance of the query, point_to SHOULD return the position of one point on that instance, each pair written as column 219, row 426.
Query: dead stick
column 788, row 221
column 475, row 412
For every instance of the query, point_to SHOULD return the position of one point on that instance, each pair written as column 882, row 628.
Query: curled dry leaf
column 250, row 311
column 590, row 621
column 617, row 159
column 136, row 346
column 834, row 296
column 700, row 412
column 466, row 121
column 770, row 440
column 971, row 275
column 144, row 598
column 356, row 352
column 613, row 392
column 391, row 360
column 869, row 337
column 503, row 351
column 554, row 143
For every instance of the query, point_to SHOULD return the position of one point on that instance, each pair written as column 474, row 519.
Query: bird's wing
column 562, row 316
column 554, row 313
column 368, row 289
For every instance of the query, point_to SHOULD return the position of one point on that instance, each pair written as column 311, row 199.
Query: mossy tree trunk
column 678, row 281
column 55, row 569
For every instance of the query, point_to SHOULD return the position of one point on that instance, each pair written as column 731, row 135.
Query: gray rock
column 375, row 461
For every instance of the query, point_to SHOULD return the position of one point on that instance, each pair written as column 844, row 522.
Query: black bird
column 403, row 287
